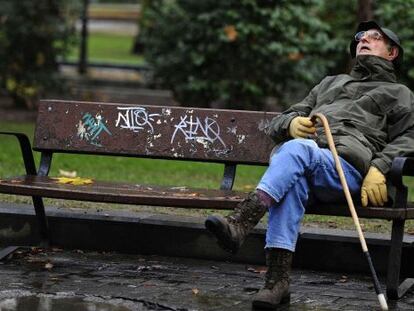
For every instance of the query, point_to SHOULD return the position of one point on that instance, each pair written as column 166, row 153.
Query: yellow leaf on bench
column 74, row 181
column 71, row 174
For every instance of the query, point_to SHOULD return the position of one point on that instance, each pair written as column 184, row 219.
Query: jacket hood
column 373, row 68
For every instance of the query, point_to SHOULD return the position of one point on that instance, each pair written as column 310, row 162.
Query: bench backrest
column 229, row 136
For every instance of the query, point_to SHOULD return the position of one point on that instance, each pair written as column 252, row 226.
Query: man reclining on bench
column 372, row 121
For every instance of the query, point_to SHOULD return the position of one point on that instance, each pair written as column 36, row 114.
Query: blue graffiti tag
column 90, row 127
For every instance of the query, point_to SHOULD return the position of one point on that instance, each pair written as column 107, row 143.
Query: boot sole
column 263, row 305
column 216, row 227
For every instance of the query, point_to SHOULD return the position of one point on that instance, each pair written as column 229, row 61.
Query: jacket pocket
column 369, row 105
column 355, row 152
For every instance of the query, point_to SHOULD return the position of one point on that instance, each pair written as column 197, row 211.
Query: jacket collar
column 373, row 68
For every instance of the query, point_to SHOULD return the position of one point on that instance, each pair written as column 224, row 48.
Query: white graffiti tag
column 135, row 118
column 203, row 132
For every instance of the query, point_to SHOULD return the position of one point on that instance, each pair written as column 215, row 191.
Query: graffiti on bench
column 202, row 131
column 135, row 119
column 161, row 131
column 91, row 127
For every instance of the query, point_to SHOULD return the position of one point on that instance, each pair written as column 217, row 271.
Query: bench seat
column 110, row 192
column 184, row 197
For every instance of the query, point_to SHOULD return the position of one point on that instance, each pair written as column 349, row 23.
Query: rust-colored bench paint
column 195, row 134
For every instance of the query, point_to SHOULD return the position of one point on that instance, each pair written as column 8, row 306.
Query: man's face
column 373, row 42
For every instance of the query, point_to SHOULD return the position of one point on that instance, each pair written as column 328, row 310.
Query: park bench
column 229, row 137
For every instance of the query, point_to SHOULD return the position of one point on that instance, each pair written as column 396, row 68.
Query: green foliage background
column 398, row 15
column 227, row 54
column 236, row 54
column 32, row 35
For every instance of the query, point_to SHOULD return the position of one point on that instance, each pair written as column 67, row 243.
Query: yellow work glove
column 301, row 127
column 374, row 188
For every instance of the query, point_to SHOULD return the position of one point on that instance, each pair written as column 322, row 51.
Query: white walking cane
column 351, row 206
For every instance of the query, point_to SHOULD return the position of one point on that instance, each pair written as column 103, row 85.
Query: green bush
column 398, row 15
column 235, row 53
column 32, row 35
column 341, row 16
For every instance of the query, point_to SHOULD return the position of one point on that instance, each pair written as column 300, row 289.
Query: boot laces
column 247, row 211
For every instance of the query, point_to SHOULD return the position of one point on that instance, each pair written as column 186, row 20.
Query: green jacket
column 371, row 115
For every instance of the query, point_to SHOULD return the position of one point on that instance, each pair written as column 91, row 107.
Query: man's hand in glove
column 301, row 127
column 374, row 188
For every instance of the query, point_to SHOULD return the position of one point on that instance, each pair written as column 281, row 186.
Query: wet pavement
column 54, row 280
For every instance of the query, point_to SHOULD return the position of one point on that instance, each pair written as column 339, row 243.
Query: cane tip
column 382, row 302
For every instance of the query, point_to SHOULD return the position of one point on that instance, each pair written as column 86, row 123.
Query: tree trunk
column 83, row 53
column 365, row 10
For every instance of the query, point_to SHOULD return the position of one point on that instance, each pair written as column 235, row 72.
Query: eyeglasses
column 371, row 34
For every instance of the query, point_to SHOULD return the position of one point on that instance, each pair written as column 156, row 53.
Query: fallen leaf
column 343, row 279
column 179, row 188
column 36, row 260
column 71, row 174
column 260, row 270
column 248, row 187
column 36, row 250
column 410, row 231
column 332, row 224
column 77, row 181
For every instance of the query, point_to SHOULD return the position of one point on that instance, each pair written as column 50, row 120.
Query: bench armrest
column 401, row 166
column 26, row 150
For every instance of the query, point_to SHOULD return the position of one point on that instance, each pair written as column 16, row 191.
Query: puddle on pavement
column 51, row 303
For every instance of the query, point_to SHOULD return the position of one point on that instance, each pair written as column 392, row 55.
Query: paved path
column 63, row 280
column 129, row 28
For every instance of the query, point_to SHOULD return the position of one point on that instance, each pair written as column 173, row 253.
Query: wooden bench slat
column 336, row 209
column 108, row 192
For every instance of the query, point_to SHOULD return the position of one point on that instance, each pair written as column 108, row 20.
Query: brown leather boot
column 232, row 230
column 276, row 289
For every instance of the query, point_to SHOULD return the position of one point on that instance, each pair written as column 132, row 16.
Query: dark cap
column 387, row 32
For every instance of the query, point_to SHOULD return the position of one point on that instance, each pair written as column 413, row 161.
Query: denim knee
column 299, row 148
column 292, row 160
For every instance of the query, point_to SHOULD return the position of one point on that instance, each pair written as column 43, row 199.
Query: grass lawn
column 156, row 172
column 109, row 48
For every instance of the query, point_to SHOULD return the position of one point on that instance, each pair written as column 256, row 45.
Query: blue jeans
column 297, row 169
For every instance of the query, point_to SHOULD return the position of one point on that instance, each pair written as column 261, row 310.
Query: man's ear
column 393, row 53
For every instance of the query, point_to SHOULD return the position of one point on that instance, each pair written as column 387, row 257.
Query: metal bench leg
column 43, row 229
column 7, row 251
column 41, row 220
column 394, row 289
